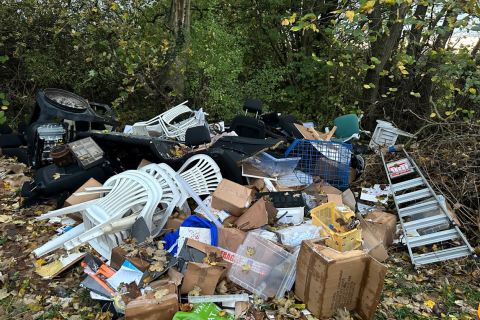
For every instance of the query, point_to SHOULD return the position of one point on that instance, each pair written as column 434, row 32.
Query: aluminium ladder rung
column 441, row 255
column 433, row 238
column 426, row 222
column 415, row 195
column 418, row 208
column 407, row 184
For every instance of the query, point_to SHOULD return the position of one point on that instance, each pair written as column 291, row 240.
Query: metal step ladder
column 446, row 226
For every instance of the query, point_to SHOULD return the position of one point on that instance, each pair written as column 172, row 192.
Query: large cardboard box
column 232, row 197
column 383, row 225
column 327, row 280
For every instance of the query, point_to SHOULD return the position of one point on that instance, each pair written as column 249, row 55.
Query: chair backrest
column 201, row 173
column 170, row 198
column 196, row 136
column 248, row 127
column 347, row 125
column 171, row 114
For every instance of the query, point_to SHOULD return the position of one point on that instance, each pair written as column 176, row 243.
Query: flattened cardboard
column 383, row 225
column 143, row 163
column 256, row 216
column 81, row 199
column 371, row 243
column 232, row 197
column 119, row 257
column 327, row 280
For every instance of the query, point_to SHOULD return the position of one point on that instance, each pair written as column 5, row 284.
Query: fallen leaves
column 161, row 293
column 195, row 292
column 246, row 268
column 187, row 307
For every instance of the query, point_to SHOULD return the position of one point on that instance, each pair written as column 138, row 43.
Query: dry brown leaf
column 187, row 307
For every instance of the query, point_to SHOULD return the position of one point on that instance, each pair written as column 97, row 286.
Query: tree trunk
column 179, row 23
column 381, row 49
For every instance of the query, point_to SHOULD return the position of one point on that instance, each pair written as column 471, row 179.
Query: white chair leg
column 59, row 241
column 66, row 210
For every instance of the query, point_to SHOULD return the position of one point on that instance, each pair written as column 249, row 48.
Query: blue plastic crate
column 322, row 162
column 272, row 166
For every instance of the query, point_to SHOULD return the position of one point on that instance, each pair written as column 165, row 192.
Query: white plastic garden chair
column 204, row 176
column 163, row 123
column 154, row 124
column 130, row 191
column 386, row 134
column 171, row 194
column 200, row 171
column 114, row 237
column 170, row 197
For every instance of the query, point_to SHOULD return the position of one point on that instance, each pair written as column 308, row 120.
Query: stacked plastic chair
column 162, row 124
column 124, row 194
column 129, row 196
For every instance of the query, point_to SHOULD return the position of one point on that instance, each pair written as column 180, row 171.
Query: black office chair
column 249, row 127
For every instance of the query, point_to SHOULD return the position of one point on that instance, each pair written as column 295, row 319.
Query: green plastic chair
column 347, row 128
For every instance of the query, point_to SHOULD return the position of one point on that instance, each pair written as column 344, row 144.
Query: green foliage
column 381, row 58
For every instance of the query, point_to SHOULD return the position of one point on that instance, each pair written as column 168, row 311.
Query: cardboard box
column 383, row 225
column 144, row 308
column 143, row 163
column 257, row 215
column 327, row 280
column 80, row 199
column 119, row 257
column 232, row 197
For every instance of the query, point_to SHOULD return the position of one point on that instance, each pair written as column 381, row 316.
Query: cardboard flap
column 271, row 210
column 348, row 199
column 206, row 248
column 337, row 198
column 371, row 289
column 255, row 217
column 372, row 242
